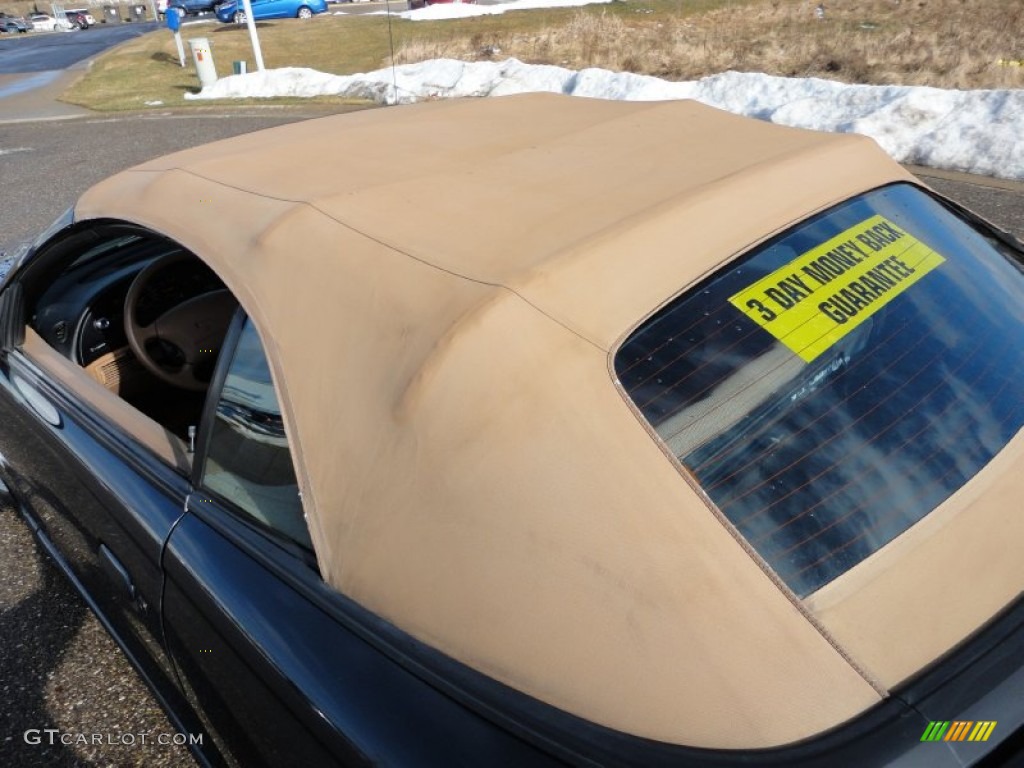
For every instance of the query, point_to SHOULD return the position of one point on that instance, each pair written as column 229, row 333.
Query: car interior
column 140, row 315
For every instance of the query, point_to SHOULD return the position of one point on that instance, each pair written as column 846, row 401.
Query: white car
column 80, row 17
column 43, row 22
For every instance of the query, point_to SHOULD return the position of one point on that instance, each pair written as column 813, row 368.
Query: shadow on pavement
column 34, row 634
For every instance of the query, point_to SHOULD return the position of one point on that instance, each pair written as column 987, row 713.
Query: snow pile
column 973, row 131
column 459, row 10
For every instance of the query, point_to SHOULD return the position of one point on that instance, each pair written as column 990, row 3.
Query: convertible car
column 692, row 441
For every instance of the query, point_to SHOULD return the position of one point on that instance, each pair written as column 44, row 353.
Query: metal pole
column 173, row 21
column 181, row 47
column 250, row 22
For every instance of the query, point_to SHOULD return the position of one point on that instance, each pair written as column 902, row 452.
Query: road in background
column 58, row 668
column 36, row 69
column 62, row 50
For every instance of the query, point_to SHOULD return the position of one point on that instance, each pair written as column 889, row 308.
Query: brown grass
column 943, row 43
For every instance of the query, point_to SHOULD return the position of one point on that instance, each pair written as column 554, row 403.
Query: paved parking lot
column 62, row 678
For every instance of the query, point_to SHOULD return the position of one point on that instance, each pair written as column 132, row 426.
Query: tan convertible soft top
column 440, row 288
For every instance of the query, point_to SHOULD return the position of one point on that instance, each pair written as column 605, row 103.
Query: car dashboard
column 81, row 313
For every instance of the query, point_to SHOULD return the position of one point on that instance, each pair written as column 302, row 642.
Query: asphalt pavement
column 67, row 691
column 47, row 164
column 63, row 50
column 62, row 678
column 36, row 69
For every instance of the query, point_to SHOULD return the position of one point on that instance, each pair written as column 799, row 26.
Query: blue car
column 233, row 10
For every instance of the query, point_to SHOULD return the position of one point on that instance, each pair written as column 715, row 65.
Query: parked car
column 80, row 18
column 191, row 7
column 233, row 11
column 653, row 457
column 417, row 4
column 10, row 23
column 43, row 22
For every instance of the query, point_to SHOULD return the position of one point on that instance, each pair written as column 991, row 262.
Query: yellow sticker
column 815, row 300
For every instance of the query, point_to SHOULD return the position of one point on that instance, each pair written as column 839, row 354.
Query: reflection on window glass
column 837, row 385
column 248, row 461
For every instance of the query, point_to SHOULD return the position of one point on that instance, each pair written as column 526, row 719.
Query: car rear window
column 841, row 381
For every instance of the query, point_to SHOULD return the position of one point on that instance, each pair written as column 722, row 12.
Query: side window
column 248, row 462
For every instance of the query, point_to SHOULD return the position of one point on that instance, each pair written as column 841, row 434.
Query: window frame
column 125, row 429
column 1011, row 248
column 204, row 436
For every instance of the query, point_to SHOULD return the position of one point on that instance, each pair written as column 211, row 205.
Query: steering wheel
column 185, row 340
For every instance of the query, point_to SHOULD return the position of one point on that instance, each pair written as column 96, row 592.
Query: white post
column 250, row 22
column 202, row 57
column 181, row 47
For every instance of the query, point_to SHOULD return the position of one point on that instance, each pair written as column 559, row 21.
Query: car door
column 99, row 501
column 285, row 670
column 273, row 9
